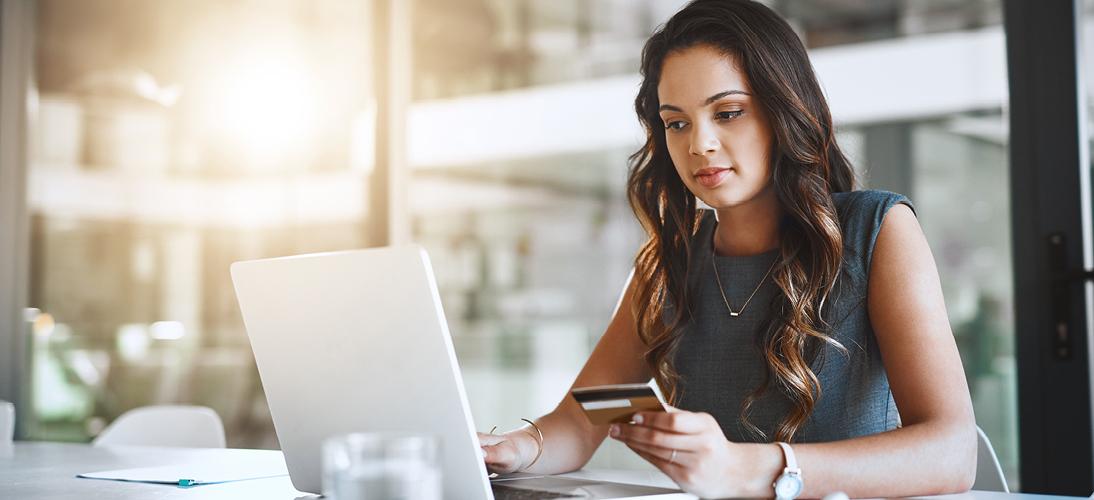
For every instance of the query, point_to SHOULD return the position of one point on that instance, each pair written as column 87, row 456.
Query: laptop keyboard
column 502, row 492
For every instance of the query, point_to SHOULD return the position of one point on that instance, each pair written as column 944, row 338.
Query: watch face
column 788, row 486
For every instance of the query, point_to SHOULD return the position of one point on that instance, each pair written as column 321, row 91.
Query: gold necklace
column 721, row 289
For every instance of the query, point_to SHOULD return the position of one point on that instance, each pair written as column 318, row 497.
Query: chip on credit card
column 607, row 404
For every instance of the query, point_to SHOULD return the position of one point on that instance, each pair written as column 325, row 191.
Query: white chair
column 989, row 474
column 168, row 426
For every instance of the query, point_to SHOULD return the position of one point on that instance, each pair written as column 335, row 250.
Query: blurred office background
column 174, row 137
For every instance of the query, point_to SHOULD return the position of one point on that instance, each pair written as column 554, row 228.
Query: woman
column 796, row 311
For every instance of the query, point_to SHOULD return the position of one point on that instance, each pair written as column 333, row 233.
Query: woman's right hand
column 502, row 455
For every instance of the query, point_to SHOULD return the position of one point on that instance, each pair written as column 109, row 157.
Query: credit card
column 606, row 404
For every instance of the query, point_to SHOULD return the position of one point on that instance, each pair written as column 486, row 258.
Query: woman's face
column 717, row 133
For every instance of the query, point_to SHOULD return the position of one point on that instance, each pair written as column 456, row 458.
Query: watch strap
column 791, row 461
column 791, row 475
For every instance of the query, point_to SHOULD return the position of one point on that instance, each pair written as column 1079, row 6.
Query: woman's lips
column 711, row 177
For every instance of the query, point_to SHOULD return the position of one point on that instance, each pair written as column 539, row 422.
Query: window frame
column 1051, row 227
column 17, row 28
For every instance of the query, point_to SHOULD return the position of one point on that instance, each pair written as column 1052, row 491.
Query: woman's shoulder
column 865, row 208
column 867, row 200
column 861, row 214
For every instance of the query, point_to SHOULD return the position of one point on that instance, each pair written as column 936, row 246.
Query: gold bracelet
column 539, row 441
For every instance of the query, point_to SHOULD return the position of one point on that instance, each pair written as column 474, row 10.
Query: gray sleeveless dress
column 719, row 360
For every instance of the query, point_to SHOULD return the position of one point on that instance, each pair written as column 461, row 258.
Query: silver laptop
column 357, row 341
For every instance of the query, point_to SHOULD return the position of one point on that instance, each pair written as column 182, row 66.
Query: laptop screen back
column 357, row 341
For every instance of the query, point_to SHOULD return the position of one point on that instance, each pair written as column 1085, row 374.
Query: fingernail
column 638, row 418
column 614, row 430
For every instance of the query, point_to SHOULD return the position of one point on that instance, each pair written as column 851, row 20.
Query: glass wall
column 173, row 138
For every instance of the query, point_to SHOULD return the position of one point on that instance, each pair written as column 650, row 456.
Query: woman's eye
column 727, row 115
column 675, row 125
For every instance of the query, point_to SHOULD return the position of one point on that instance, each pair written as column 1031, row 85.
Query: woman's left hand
column 692, row 450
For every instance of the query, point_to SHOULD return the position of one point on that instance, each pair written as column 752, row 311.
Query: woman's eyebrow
column 715, row 97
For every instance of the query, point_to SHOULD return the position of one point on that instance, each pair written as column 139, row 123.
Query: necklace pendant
column 734, row 314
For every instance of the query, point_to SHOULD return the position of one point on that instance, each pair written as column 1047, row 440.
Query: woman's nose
column 703, row 141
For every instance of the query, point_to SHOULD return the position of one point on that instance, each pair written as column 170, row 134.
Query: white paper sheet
column 194, row 474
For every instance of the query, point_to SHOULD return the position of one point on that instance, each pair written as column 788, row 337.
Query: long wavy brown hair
column 807, row 167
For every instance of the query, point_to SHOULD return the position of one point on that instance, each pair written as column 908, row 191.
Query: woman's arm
column 935, row 450
column 569, row 438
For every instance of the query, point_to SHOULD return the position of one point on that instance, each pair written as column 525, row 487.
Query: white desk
column 48, row 470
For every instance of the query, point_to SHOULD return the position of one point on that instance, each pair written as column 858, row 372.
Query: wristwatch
column 789, row 484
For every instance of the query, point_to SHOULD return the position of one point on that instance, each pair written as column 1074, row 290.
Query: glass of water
column 381, row 466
